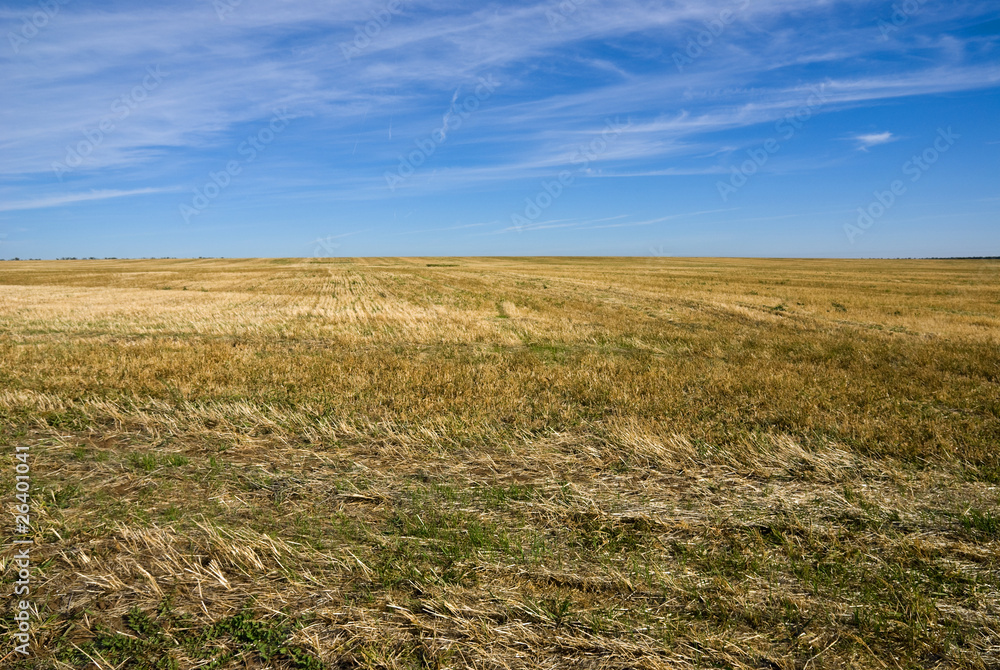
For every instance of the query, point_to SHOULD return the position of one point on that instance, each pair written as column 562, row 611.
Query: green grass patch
column 157, row 640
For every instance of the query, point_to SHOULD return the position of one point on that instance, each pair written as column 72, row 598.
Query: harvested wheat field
column 505, row 463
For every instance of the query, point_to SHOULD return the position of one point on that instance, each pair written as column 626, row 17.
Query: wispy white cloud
column 599, row 224
column 437, row 230
column 59, row 200
column 226, row 77
column 661, row 219
column 867, row 140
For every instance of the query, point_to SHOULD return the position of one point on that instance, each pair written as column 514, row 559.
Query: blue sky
column 398, row 127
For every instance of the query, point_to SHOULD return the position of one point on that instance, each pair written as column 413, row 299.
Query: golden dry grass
column 506, row 463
